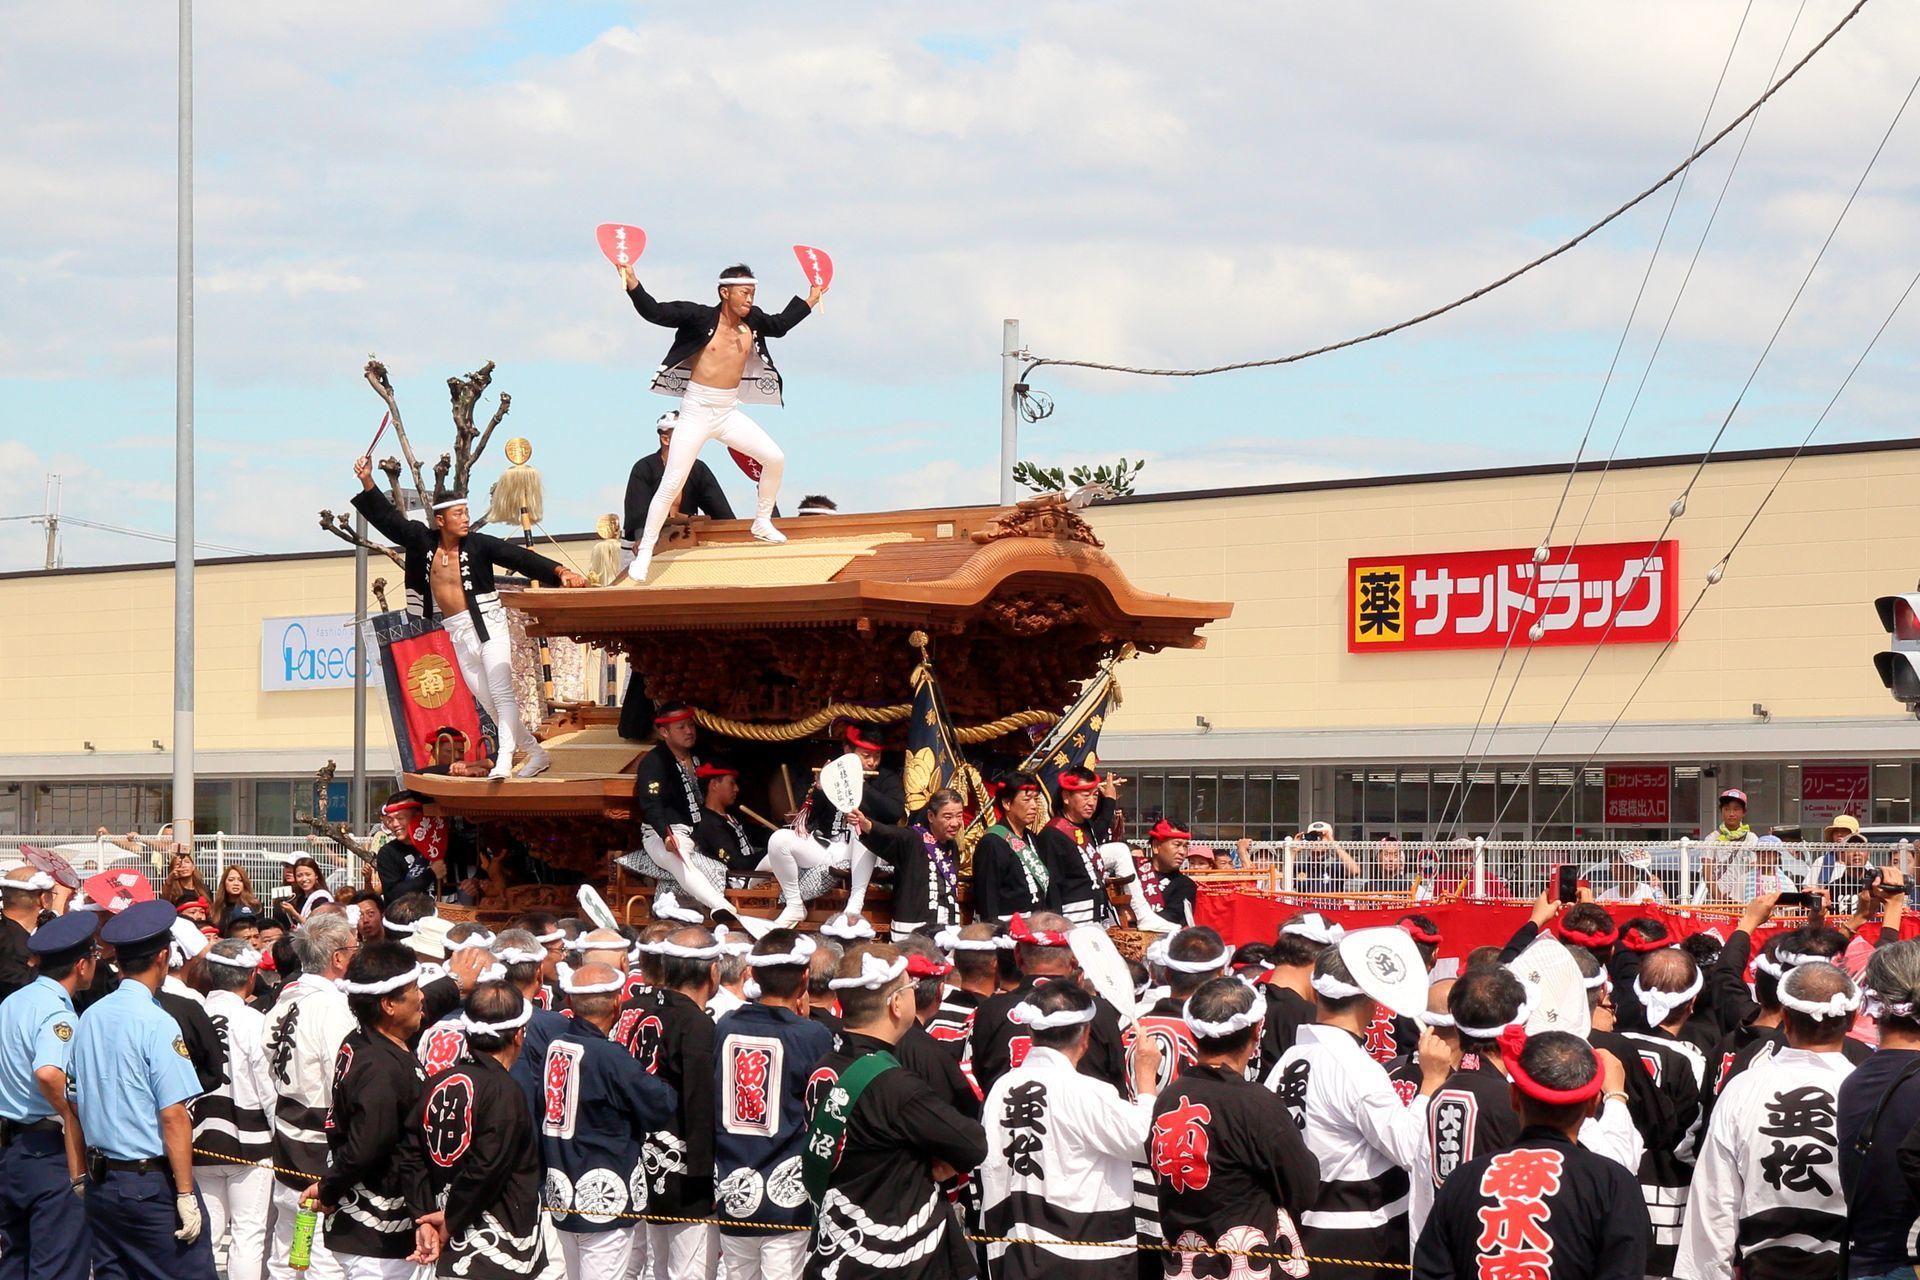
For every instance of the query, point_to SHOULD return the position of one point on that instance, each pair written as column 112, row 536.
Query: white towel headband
column 398, row 982
column 874, row 974
column 1032, row 1019
column 1239, row 1022
column 1661, row 1004
column 803, row 949
column 245, row 958
column 500, row 1028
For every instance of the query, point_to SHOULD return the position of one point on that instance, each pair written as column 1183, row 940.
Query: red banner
column 1616, row 593
column 1638, row 795
column 425, row 686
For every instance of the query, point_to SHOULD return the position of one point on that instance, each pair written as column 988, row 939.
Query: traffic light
column 1899, row 667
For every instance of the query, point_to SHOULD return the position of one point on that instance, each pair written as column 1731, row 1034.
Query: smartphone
column 1797, row 900
column 1569, row 884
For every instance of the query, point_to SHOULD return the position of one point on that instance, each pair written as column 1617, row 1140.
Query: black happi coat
column 1666, row 1171
column 376, row 1086
column 665, row 794
column 922, row 892
column 764, row 1060
column 1002, row 885
column 721, row 837
column 1542, row 1195
column 701, row 493
column 1000, row 1044
column 1471, row 1115
column 693, row 324
column 1069, row 850
column 1230, row 1165
column 472, row 1150
column 672, row 1037
column 1287, row 1012
column 882, row 1204
column 480, row 554
column 598, row 1107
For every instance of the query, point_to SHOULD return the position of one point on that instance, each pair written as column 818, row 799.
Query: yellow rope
column 1156, row 1246
column 813, row 724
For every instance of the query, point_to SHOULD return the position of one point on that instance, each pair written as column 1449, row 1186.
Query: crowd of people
column 391, row 1091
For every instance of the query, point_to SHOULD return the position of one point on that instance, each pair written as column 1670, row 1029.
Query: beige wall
column 1791, row 625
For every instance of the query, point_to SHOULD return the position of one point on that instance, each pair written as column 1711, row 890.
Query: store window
column 1893, row 793
column 273, row 805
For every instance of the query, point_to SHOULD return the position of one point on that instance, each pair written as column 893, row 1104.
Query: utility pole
column 51, row 519
column 183, row 448
column 357, row 804
column 1010, row 357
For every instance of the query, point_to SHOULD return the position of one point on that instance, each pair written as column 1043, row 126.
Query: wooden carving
column 1047, row 516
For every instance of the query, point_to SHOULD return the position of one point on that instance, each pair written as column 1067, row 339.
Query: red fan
column 52, row 863
column 118, row 890
column 817, row 265
column 621, row 243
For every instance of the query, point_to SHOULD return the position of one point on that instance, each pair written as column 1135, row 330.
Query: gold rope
column 813, row 724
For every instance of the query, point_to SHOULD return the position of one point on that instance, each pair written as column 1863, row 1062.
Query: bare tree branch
column 339, row 527
column 440, row 470
column 391, row 466
column 376, row 375
column 499, row 412
column 465, row 393
column 380, row 593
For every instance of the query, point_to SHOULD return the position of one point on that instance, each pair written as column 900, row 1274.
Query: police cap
column 141, row 922
column 63, row 933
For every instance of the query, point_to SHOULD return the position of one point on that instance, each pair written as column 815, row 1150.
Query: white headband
column 1833, row 1006
column 394, row 926
column 859, row 930
column 1792, row 959
column 1213, row 965
column 1597, row 981
column 1157, row 952
column 1032, row 1019
column 1878, row 1008
column 1334, row 989
column 1764, row 963
column 729, row 946
column 519, row 955
column 478, row 938
column 1239, row 1022
column 806, row 509
column 1437, row 1019
column 803, row 949
column 949, row 939
column 498, row 1028
column 492, row 973
column 572, row 988
column 727, row 280
column 38, row 882
column 674, row 911
column 1493, row 1033
column 1314, row 928
column 450, row 502
column 874, row 974
column 1661, row 1004
column 398, row 982
column 712, row 951
column 750, row 989
column 245, row 958
column 550, row 937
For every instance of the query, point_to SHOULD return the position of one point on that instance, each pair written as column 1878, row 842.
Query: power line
column 1483, row 290
column 135, row 533
column 1463, row 784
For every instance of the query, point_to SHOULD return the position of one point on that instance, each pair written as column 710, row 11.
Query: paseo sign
column 1608, row 593
column 315, row 652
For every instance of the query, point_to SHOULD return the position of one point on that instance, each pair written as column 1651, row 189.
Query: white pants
column 708, row 413
column 683, row 1250
column 599, row 1255
column 286, row 1203
column 639, row 1259
column 763, row 1255
column 239, row 1198
column 363, row 1268
column 487, row 667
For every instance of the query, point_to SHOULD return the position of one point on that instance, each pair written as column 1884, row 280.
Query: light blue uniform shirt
column 129, row 1062
column 37, row 1025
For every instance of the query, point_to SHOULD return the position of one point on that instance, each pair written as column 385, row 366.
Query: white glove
column 187, row 1209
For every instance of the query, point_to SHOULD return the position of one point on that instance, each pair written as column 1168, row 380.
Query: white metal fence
column 263, row 858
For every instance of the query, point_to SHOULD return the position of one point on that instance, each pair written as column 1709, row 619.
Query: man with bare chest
column 718, row 360
column 449, row 570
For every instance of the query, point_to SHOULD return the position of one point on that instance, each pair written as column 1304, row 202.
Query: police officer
column 132, row 1082
column 43, row 1221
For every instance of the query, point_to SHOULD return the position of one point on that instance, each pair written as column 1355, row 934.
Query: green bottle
column 304, row 1224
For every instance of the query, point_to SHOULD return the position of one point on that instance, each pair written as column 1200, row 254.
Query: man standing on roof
column 718, row 358
column 449, row 568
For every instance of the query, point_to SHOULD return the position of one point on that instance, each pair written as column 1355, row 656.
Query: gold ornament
column 430, row 681
column 519, row 450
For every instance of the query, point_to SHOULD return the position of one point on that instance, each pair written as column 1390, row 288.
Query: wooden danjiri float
column 1012, row 610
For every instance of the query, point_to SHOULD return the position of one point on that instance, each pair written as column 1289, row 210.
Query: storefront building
column 1379, row 671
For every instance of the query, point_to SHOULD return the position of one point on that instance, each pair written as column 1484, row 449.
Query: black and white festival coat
column 763, row 1058
column 1232, row 1174
column 926, row 874
column 471, row 1152
column 305, row 1030
column 233, row 1120
column 598, row 1108
column 1072, row 857
column 882, row 1216
column 693, row 324
column 1367, row 1141
column 1666, row 1172
column 1000, row 1044
column 480, row 554
column 376, row 1085
column 672, row 1038
column 1766, row 1187
column 1059, row 1166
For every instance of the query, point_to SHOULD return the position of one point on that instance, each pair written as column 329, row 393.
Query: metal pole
column 1009, row 416
column 357, row 805
column 183, row 449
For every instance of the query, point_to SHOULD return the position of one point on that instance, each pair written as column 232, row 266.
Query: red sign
column 816, row 263
column 1829, row 790
column 621, row 243
column 1637, row 795
column 1612, row 593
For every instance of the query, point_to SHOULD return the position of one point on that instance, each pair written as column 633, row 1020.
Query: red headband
column 1512, row 1042
column 200, row 902
column 1015, row 788
column 918, row 966
column 1020, row 931
column 1078, row 782
column 1581, row 938
column 715, row 771
column 1164, row 830
column 855, row 740
column 675, row 717
column 401, row 806
column 1418, row 934
column 1644, row 945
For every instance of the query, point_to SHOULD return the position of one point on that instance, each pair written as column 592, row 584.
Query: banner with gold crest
column 425, row 690
column 933, row 758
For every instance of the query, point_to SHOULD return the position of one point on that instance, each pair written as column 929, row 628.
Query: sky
column 1135, row 184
